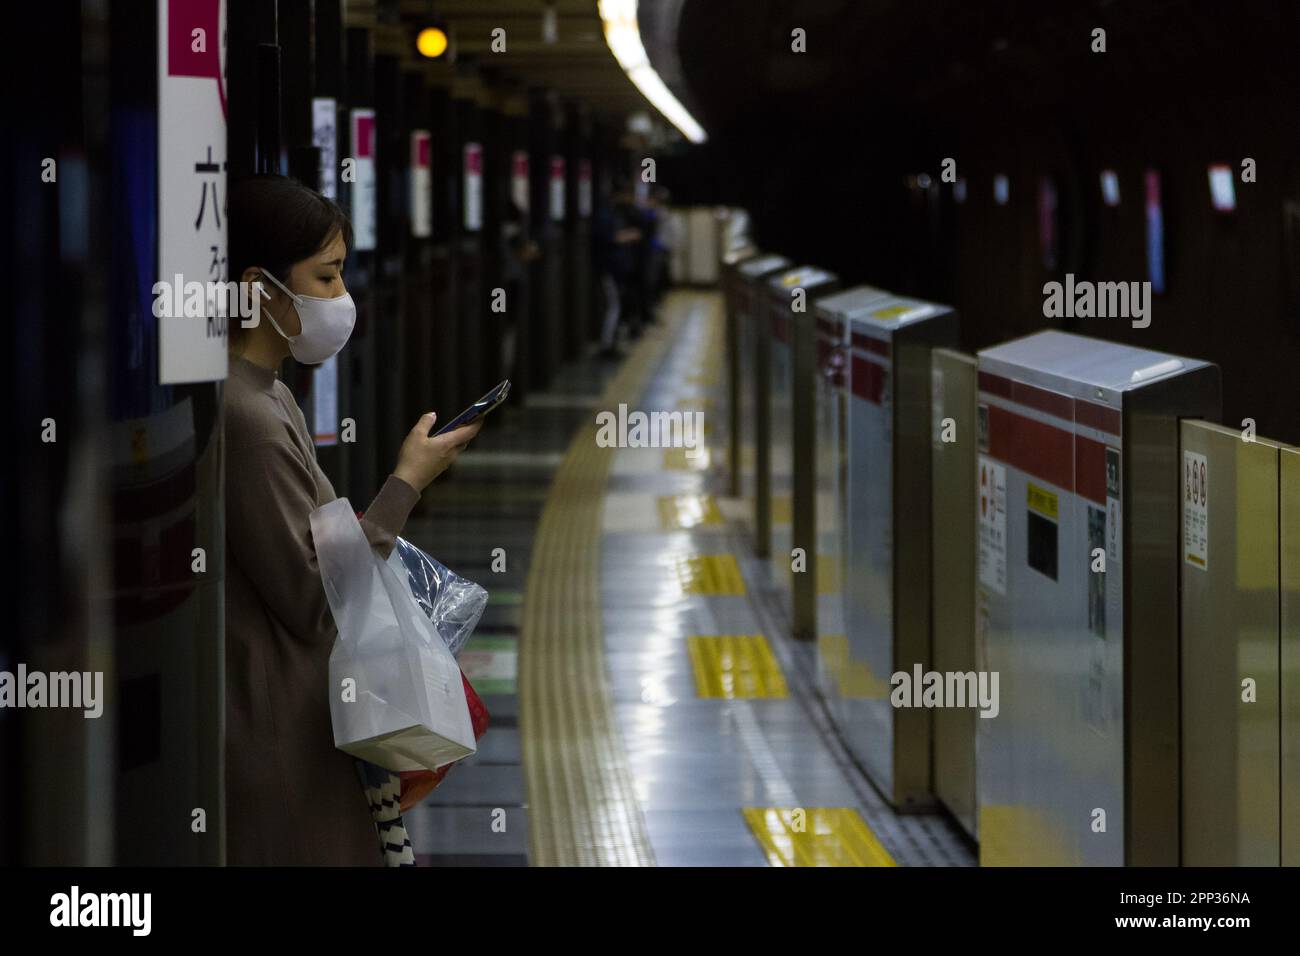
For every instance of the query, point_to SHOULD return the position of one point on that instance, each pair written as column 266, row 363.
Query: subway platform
column 648, row 704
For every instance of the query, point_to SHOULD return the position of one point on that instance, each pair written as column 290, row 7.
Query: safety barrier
column 1059, row 512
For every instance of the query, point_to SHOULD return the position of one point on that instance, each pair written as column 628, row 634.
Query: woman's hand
column 423, row 458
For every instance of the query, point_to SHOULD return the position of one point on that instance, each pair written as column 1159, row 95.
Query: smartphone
column 480, row 408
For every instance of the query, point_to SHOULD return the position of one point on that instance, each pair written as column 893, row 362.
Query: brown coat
column 291, row 797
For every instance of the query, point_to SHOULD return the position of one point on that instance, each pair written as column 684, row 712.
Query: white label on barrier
column 993, row 525
column 1196, row 510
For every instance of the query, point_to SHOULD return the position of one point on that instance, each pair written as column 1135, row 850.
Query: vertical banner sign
column 191, row 192
column 421, row 184
column 557, row 188
column 473, row 187
column 324, row 136
column 519, row 179
column 584, row 188
column 363, row 186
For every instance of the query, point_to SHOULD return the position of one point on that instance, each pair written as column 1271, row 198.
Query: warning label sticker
column 993, row 525
column 1196, row 511
column 1042, row 501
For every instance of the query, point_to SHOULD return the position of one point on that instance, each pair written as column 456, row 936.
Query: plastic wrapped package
column 452, row 603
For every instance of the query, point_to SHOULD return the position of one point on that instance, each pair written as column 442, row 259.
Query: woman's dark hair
column 276, row 221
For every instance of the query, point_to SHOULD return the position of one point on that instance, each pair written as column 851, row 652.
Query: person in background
column 517, row 251
column 614, row 235
column 658, row 228
column 637, row 296
column 292, row 798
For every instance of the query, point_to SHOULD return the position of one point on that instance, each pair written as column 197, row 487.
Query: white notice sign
column 191, row 190
column 519, row 179
column 325, row 402
column 557, row 188
column 363, row 185
column 993, row 524
column 1196, row 511
column 473, row 198
column 324, row 136
column 421, row 193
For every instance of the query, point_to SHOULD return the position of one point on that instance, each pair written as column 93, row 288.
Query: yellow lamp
column 431, row 42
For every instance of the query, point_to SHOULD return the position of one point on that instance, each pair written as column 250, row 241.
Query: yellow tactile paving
column 815, row 836
column 677, row 459
column 735, row 666
column 851, row 678
column 583, row 809
column 696, row 403
column 1012, row 835
column 711, row 574
column 682, row 512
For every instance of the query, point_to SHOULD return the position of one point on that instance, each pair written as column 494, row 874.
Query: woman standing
column 291, row 797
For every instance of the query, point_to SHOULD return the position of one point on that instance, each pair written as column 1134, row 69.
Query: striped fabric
column 383, row 793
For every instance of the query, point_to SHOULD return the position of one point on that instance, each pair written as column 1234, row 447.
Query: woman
column 291, row 797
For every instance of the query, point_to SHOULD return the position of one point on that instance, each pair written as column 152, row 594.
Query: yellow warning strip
column 735, row 666
column 1018, row 835
column 582, row 807
column 850, row 678
column 711, row 574
column 815, row 836
column 678, row 459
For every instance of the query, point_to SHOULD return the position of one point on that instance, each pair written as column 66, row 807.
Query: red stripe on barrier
column 1035, row 447
column 1052, row 403
column 868, row 380
column 1100, row 417
column 1090, row 469
column 870, row 344
column 780, row 326
column 995, row 384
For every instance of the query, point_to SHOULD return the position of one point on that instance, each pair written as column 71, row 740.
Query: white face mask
column 326, row 324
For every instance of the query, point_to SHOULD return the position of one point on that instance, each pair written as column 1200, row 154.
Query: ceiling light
column 623, row 35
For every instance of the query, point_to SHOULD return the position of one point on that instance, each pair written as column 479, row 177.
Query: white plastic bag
column 407, row 710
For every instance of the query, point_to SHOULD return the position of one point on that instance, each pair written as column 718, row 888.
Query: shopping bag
column 418, row 784
column 397, row 698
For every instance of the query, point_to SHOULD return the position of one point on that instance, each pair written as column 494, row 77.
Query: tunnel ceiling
column 944, row 55
column 578, row 66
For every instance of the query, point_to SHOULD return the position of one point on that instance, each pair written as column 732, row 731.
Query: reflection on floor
column 490, row 500
column 724, row 739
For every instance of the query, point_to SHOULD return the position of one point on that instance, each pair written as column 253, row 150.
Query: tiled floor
column 697, row 762
column 492, row 499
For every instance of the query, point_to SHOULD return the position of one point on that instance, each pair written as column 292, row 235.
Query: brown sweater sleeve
column 270, row 495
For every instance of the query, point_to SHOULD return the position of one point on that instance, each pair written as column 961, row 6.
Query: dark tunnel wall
column 824, row 165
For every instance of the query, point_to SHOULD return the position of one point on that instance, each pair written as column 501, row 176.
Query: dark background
column 819, row 147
